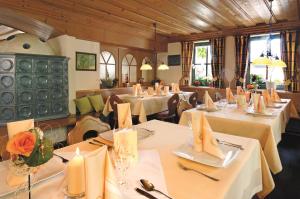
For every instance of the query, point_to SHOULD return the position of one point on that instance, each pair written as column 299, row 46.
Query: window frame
column 129, row 67
column 207, row 63
column 106, row 63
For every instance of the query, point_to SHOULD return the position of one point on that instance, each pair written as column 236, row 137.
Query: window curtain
column 241, row 57
column 290, row 55
column 187, row 48
column 218, row 61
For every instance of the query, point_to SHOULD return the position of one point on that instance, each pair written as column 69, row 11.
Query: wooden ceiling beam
column 268, row 5
column 241, row 11
column 292, row 25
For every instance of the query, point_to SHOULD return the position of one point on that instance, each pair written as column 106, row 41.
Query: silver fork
column 230, row 144
column 188, row 169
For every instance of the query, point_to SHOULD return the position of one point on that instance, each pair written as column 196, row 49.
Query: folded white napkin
column 274, row 95
column 150, row 91
column 259, row 104
column 166, row 90
column 135, row 90
column 107, row 107
column 241, row 101
column 209, row 103
column 203, row 138
column 19, row 126
column 267, row 98
column 239, row 90
column 124, row 115
column 125, row 141
column 229, row 96
column 100, row 178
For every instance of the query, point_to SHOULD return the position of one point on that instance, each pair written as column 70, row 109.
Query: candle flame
column 77, row 151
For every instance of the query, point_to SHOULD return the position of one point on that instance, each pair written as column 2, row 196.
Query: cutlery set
column 148, row 186
column 230, row 144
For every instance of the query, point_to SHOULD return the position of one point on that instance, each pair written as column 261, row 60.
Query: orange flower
column 21, row 143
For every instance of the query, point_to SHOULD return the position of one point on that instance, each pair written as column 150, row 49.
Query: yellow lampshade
column 163, row 67
column 262, row 61
column 146, row 66
column 278, row 63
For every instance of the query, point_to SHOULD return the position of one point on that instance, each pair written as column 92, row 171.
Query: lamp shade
column 262, row 61
column 163, row 67
column 146, row 66
column 278, row 63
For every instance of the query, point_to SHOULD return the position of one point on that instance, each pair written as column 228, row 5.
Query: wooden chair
column 170, row 114
column 86, row 124
column 193, row 99
column 4, row 155
column 114, row 100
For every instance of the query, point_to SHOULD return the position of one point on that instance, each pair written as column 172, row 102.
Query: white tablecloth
column 247, row 175
column 267, row 130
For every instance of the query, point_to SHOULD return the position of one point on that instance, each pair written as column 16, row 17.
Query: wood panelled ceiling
column 113, row 21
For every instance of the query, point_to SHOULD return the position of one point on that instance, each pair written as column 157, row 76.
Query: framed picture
column 86, row 61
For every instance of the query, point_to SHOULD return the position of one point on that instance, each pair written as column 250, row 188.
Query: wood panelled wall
column 120, row 52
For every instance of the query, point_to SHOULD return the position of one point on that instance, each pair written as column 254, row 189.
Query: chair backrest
column 87, row 123
column 114, row 100
column 173, row 103
column 193, row 99
column 4, row 155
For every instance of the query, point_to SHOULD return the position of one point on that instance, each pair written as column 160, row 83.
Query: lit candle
column 76, row 175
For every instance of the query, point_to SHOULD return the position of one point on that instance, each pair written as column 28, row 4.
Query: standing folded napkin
column 134, row 90
column 158, row 90
column 125, row 141
column 176, row 88
column 274, row 95
column 241, row 102
column 139, row 89
column 107, row 108
column 248, row 96
column 203, row 138
column 229, row 96
column 150, row 91
column 267, row 98
column 166, row 90
column 100, row 178
column 259, row 104
column 124, row 115
column 19, row 126
column 209, row 103
column 239, row 90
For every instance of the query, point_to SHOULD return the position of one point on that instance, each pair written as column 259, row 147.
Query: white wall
column 175, row 73
column 78, row 80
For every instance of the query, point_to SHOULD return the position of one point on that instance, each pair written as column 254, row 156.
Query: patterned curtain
column 242, row 56
column 289, row 53
column 218, row 60
column 187, row 48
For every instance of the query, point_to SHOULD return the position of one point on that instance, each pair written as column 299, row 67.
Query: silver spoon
column 148, row 186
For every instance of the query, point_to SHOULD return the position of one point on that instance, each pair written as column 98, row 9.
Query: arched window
column 129, row 67
column 147, row 75
column 107, row 65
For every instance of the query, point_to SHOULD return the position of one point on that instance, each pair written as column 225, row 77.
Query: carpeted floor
column 287, row 182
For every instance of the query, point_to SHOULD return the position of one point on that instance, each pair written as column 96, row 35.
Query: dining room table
column 248, row 174
column 267, row 129
column 144, row 105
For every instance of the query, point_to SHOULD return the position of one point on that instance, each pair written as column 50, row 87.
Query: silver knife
column 144, row 193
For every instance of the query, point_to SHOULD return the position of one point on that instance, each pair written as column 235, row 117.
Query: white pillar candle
column 76, row 175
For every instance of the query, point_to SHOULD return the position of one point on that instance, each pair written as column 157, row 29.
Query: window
column 129, row 67
column 107, row 65
column 258, row 45
column 202, row 62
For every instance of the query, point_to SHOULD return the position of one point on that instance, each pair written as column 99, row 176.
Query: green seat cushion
column 97, row 102
column 83, row 105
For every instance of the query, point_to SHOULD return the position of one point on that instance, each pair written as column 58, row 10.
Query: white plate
column 142, row 133
column 186, row 151
column 282, row 101
column 275, row 106
column 203, row 108
column 266, row 114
